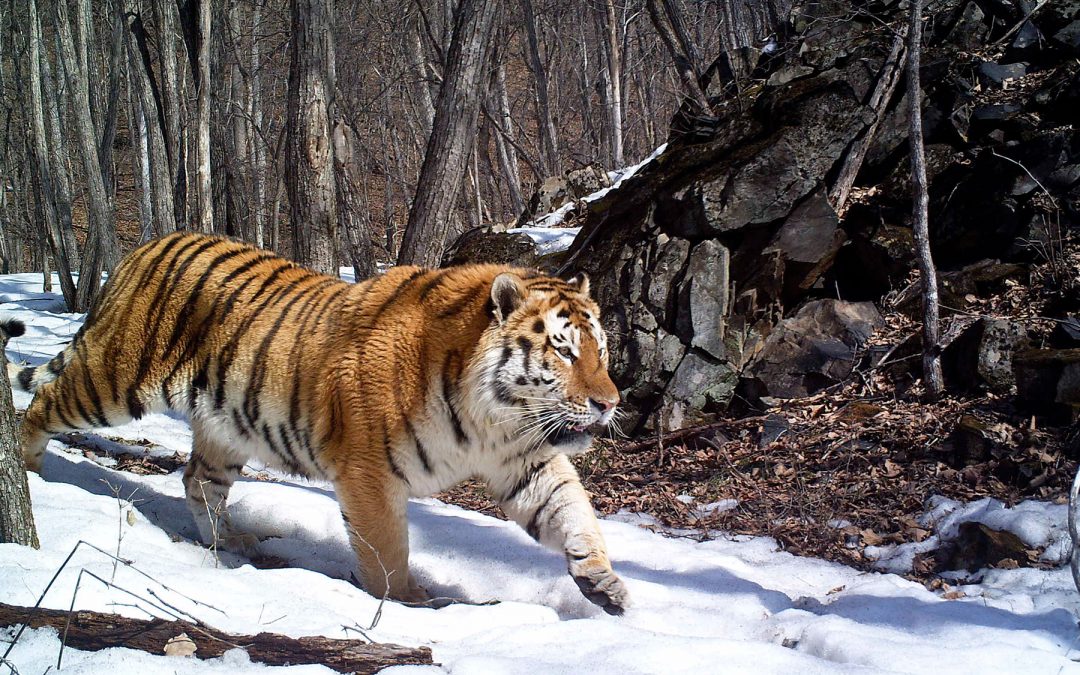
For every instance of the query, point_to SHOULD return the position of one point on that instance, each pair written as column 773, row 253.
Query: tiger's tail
column 29, row 378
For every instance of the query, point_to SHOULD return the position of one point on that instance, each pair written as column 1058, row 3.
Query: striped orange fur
column 397, row 386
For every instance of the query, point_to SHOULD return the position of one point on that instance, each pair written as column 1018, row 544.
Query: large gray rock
column 703, row 298
column 1048, row 381
column 982, row 356
column 483, row 246
column 556, row 191
column 812, row 350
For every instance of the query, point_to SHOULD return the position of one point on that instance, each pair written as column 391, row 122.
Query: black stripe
column 105, row 307
column 288, row 445
column 503, row 393
column 56, row 364
column 462, row 303
column 447, row 394
column 165, row 290
column 200, row 382
column 527, row 478
column 433, row 283
column 228, row 353
column 26, row 377
column 421, row 451
column 258, row 374
column 98, row 411
column 238, row 422
column 394, row 468
column 248, row 264
column 526, row 348
column 287, row 463
column 532, row 526
column 302, row 435
column 119, row 280
column 507, row 352
column 189, row 306
column 397, row 293
column 51, row 407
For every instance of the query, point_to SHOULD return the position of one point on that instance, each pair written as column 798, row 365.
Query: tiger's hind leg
column 211, row 471
column 69, row 400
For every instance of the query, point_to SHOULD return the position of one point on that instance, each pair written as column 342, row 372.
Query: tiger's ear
column 507, row 293
column 580, row 281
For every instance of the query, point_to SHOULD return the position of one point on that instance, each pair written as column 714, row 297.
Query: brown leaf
column 871, row 538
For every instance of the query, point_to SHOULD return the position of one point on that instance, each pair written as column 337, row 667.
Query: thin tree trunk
column 508, row 160
column 932, row 376
column 453, row 134
column 613, row 83
column 52, row 173
column 102, row 249
column 309, row 157
column 353, row 220
column 140, row 159
column 888, row 79
column 549, row 153
column 258, row 149
column 165, row 20
column 58, row 153
column 157, row 181
column 684, row 62
column 204, row 189
column 16, row 518
column 420, row 88
column 112, row 97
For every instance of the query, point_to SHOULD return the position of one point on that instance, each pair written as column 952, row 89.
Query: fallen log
column 92, row 631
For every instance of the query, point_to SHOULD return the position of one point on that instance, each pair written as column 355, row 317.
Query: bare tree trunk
column 107, row 127
column 421, row 90
column 508, row 160
column 158, row 183
column 58, row 154
column 51, row 172
column 165, row 21
column 140, row 159
column 613, row 83
column 353, row 220
column 453, row 134
column 309, row 158
column 549, row 153
column 684, row 62
column 258, row 149
column 889, row 77
column 204, row 189
column 102, row 249
column 920, row 215
column 16, row 518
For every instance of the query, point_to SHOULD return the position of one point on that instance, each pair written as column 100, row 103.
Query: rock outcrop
column 703, row 261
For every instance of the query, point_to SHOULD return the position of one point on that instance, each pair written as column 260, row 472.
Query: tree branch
column 92, row 631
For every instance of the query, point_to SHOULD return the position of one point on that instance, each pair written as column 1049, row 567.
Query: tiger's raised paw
column 601, row 586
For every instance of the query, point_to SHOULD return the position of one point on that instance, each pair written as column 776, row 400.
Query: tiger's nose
column 602, row 406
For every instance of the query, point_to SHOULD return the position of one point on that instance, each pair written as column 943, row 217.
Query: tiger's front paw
column 599, row 583
column 240, row 543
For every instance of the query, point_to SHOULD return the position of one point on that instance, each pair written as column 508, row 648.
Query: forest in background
column 287, row 124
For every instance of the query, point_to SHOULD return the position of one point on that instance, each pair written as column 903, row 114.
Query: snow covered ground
column 726, row 605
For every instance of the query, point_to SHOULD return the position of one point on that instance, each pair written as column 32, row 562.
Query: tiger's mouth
column 575, row 434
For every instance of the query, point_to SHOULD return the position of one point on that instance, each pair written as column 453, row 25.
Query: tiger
column 398, row 386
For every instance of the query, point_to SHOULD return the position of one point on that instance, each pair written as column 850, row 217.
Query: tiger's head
column 547, row 365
